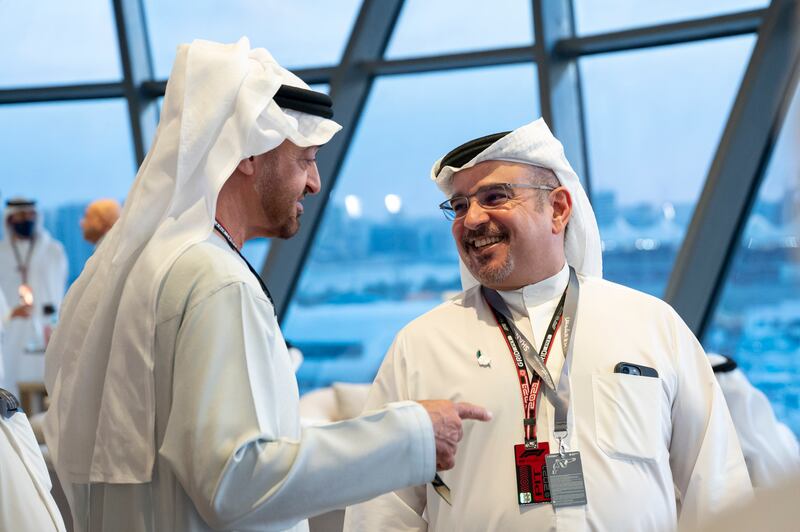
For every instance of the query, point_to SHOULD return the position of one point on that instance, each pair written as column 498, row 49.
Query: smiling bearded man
column 489, row 248
column 614, row 423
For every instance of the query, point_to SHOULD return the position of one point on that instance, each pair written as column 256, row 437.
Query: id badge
column 565, row 473
column 532, row 484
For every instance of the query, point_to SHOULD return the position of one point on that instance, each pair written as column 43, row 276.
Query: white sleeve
column 224, row 439
column 770, row 448
column 25, row 499
column 403, row 509
column 707, row 465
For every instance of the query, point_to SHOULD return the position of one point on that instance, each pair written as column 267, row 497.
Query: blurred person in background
column 33, row 272
column 770, row 448
column 6, row 315
column 99, row 217
column 26, row 504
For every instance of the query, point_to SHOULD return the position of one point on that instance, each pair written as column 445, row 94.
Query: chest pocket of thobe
column 628, row 412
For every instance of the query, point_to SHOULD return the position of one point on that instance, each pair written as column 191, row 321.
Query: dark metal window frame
column 730, row 188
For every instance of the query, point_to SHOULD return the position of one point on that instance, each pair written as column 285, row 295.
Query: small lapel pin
column 483, row 360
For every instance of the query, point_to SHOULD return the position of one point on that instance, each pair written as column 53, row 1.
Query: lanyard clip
column 561, row 436
column 530, row 443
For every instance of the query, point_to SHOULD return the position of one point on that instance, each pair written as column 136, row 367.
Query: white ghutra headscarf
column 534, row 144
column 219, row 108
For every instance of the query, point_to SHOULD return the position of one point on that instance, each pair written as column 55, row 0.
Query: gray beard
column 489, row 276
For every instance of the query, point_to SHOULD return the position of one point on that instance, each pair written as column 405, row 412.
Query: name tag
column 565, row 474
column 532, row 485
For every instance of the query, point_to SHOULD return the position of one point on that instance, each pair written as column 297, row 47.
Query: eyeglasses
column 489, row 197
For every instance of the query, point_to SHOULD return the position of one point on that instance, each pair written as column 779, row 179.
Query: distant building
column 604, row 203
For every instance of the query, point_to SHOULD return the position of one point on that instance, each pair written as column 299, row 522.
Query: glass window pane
column 384, row 254
column 298, row 34
column 52, row 42
column 653, row 121
column 598, row 16
column 66, row 155
column 321, row 87
column 429, row 28
column 757, row 319
column 255, row 251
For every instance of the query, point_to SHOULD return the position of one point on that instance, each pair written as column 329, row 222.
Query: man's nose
column 313, row 182
column 476, row 215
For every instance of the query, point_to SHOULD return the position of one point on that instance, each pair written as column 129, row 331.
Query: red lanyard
column 519, row 347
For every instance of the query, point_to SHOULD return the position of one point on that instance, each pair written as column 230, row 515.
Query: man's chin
column 289, row 230
column 489, row 275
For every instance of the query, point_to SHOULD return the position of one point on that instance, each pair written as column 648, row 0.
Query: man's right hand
column 446, row 417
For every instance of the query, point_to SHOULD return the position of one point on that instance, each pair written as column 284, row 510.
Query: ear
column 562, row 209
column 247, row 166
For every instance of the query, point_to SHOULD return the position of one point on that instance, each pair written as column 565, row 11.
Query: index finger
column 470, row 411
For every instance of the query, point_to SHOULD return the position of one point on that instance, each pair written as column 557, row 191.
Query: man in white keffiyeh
column 33, row 277
column 174, row 402
column 658, row 448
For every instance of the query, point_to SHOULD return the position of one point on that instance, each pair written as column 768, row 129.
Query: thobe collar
column 533, row 295
column 22, row 243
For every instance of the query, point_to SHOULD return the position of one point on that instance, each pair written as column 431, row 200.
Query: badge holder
column 532, row 484
column 565, row 474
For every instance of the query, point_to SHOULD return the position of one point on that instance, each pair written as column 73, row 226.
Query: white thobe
column 23, row 341
column 773, row 509
column 770, row 448
column 25, row 501
column 657, row 452
column 231, row 454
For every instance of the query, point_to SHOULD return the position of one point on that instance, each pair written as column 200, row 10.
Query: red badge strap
column 520, row 348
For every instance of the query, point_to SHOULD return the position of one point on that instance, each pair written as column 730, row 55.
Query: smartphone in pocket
column 628, row 368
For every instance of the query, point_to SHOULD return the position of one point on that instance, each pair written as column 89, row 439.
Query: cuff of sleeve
column 422, row 440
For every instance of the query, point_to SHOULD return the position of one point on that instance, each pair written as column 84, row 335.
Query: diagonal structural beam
column 559, row 81
column 738, row 167
column 136, row 69
column 350, row 85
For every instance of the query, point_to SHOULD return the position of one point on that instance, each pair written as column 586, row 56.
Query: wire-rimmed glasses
column 489, row 197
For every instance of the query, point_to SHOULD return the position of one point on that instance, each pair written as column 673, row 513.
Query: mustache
column 470, row 235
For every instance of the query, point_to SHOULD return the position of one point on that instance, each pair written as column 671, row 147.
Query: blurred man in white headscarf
column 608, row 416
column 174, row 401
column 99, row 217
column 770, row 448
column 33, row 273
column 7, row 313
